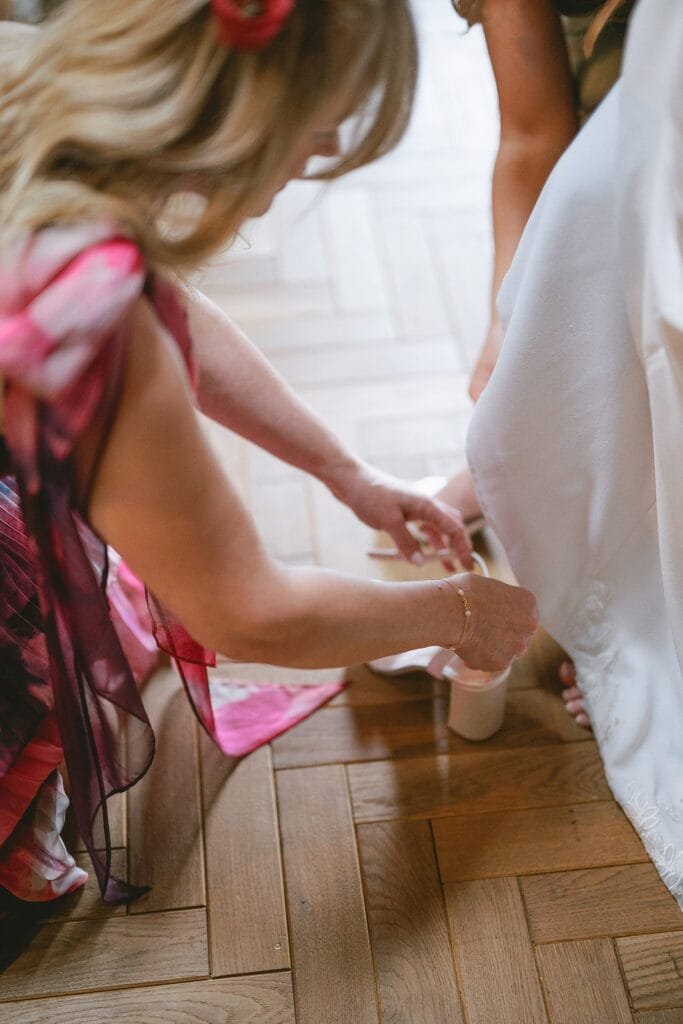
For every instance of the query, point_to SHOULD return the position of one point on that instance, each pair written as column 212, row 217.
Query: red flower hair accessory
column 251, row 25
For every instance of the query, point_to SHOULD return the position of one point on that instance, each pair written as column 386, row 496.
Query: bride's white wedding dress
column 576, row 445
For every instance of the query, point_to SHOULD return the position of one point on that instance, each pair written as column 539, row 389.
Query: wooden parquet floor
column 369, row 867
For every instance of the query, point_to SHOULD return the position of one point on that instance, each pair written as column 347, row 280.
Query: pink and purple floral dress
column 74, row 645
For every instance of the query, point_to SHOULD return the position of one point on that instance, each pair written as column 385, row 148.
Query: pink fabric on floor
column 254, row 713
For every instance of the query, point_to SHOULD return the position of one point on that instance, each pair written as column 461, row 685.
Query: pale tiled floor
column 370, row 295
column 370, row 867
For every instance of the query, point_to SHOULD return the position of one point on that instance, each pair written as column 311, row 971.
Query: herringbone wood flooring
column 369, row 866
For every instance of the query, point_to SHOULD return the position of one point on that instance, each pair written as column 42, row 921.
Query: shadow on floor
column 19, row 923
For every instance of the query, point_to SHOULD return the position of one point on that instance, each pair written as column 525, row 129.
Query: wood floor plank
column 248, row 924
column 164, row 809
column 277, row 674
column 537, row 840
column 411, row 433
column 264, row 999
column 345, row 734
column 332, row 963
column 304, row 257
column 611, row 901
column 314, row 331
column 81, row 956
column 360, row 275
column 417, row 728
column 365, row 362
column 671, row 1016
column 419, row 297
column 535, row 716
column 368, row 687
column 653, row 965
column 408, row 926
column 280, row 509
column 87, row 902
column 493, row 951
column 482, row 781
column 583, row 983
column 277, row 301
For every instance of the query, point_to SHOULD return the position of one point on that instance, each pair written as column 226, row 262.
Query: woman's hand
column 502, row 622
column 386, row 503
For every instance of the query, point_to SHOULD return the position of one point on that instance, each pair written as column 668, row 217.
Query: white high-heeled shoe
column 430, row 486
column 433, row 660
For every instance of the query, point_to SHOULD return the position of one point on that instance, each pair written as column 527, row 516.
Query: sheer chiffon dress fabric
column 73, row 640
column 575, row 445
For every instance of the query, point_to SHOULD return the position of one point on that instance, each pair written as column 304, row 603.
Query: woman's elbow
column 261, row 635
column 539, row 142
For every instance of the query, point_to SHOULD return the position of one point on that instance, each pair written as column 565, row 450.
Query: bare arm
column 537, row 113
column 161, row 499
column 240, row 389
column 537, row 121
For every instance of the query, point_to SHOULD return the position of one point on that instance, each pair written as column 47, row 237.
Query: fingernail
column 417, row 559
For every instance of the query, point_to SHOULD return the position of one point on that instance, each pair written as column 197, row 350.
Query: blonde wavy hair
column 114, row 106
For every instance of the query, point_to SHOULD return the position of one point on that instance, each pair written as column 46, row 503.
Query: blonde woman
column 106, row 113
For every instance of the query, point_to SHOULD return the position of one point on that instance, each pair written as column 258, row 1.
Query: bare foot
column 459, row 492
column 572, row 696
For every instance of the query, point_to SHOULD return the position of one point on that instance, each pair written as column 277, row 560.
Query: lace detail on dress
column 650, row 820
column 592, row 647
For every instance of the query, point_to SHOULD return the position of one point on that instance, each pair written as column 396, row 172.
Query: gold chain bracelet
column 467, row 615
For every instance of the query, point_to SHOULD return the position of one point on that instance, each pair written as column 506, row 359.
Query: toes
column 572, row 696
column 567, row 673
